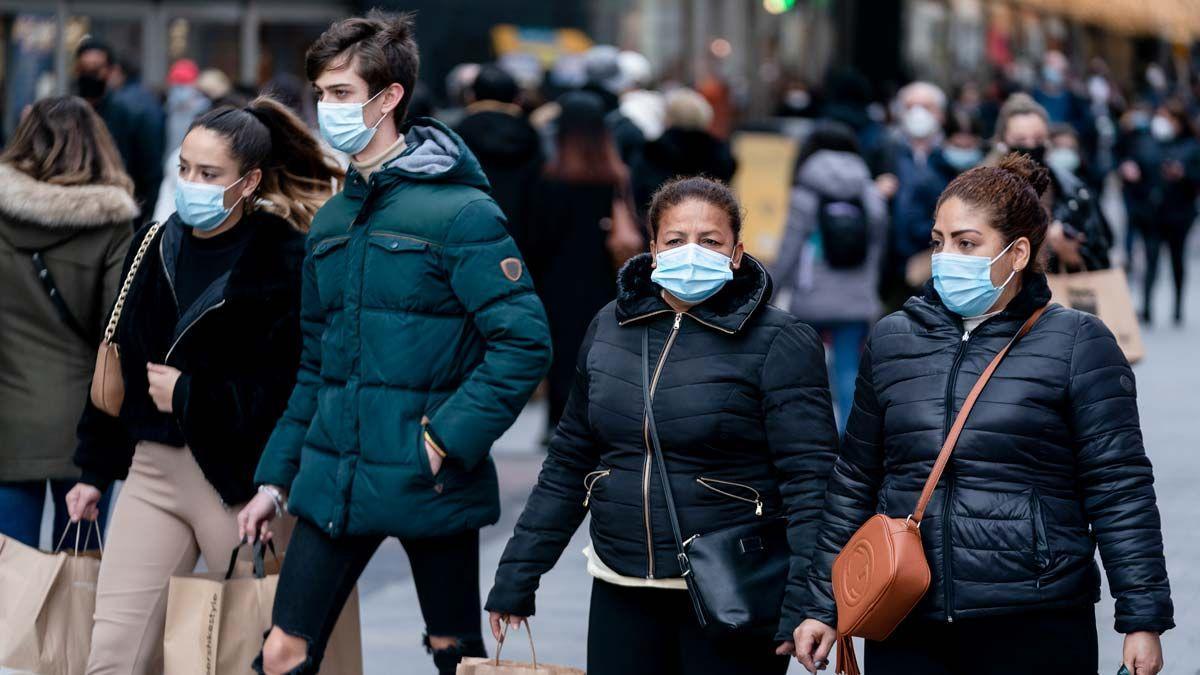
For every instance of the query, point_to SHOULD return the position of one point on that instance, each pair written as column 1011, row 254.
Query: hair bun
column 1024, row 167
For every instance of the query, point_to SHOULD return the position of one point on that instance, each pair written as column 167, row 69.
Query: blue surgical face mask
column 202, row 206
column 691, row 272
column 962, row 159
column 342, row 125
column 964, row 282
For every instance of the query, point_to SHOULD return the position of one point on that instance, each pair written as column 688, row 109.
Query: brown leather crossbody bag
column 108, row 384
column 882, row 573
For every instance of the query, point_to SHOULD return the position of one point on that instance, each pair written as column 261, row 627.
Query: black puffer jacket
column 238, row 347
column 1050, row 464
column 741, row 397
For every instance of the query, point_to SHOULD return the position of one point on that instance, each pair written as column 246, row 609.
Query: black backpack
column 843, row 227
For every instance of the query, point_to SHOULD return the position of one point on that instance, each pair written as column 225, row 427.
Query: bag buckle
column 908, row 520
column 684, row 564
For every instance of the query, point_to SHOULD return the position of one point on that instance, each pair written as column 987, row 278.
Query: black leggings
column 319, row 573
column 652, row 631
column 1060, row 641
column 1174, row 235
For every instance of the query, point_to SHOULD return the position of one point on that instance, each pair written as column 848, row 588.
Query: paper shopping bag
column 1104, row 293
column 47, row 601
column 474, row 665
column 215, row 624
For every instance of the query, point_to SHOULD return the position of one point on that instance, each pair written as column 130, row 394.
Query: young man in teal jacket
column 423, row 338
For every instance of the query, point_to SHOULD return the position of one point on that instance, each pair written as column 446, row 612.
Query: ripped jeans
column 319, row 572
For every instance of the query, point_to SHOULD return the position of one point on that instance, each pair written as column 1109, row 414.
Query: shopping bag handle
column 259, row 553
column 500, row 644
column 87, row 540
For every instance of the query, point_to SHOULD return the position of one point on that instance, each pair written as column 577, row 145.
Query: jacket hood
column 928, row 309
column 840, row 175
column 51, row 212
column 500, row 137
column 639, row 297
column 432, row 154
column 685, row 150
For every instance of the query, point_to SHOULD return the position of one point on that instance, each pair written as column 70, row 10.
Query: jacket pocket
column 423, row 456
column 329, row 261
column 1041, row 547
column 399, row 271
column 738, row 491
column 590, row 481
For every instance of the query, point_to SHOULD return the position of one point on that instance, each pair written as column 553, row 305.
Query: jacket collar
column 28, row 200
column 928, row 308
column 638, row 297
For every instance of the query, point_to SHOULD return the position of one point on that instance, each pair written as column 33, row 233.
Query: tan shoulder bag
column 108, row 384
column 882, row 573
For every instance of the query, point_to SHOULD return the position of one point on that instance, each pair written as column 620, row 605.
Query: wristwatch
column 277, row 497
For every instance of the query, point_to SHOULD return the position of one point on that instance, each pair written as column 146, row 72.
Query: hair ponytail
column 297, row 176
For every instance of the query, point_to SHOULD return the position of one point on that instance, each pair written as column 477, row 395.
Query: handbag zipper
column 757, row 501
column 662, row 359
column 948, row 580
column 589, row 482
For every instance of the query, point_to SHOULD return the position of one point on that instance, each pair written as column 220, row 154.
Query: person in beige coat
column 66, row 213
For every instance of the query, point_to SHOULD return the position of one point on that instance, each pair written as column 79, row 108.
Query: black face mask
column 90, row 86
column 1036, row 153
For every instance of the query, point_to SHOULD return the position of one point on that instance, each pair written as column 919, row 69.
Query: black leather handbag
column 735, row 576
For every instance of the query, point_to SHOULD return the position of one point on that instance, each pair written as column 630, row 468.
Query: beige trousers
column 166, row 516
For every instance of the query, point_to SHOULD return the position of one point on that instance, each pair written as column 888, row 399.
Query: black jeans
column 652, row 631
column 1061, row 641
column 319, row 573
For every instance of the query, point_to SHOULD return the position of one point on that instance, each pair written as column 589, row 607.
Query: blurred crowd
column 575, row 152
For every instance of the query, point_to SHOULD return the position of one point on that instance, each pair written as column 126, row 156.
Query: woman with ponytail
column 209, row 335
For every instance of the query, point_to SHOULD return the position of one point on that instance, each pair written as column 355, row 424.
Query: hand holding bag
column 882, row 573
column 736, row 576
column 108, row 384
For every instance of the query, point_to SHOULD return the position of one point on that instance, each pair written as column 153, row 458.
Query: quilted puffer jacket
column 1050, row 465
column 744, row 418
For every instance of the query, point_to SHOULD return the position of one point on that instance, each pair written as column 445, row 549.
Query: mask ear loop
column 239, row 201
column 1001, row 255
column 367, row 102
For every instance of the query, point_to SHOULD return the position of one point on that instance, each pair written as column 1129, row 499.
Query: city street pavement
column 1168, row 379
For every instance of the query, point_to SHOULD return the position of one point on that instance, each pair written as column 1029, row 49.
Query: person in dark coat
column 684, row 149
column 569, row 246
column 133, row 117
column 746, row 426
column 506, row 145
column 1049, row 466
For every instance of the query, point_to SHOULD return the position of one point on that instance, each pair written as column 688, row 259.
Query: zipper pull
column 966, row 335
column 587, row 498
column 678, row 320
column 758, row 507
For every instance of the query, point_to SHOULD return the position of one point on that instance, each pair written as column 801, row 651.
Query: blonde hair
column 687, row 109
column 62, row 141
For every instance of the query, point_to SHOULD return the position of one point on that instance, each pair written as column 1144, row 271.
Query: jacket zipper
column 163, row 267
column 948, row 580
column 662, row 359
column 187, row 328
column 711, row 484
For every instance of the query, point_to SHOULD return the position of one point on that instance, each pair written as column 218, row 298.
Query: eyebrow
column 964, row 231
column 184, row 160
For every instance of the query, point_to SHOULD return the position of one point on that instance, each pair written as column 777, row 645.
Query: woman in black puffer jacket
column 1049, row 465
column 742, row 405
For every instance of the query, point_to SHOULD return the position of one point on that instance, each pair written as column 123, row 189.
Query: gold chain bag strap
column 108, row 384
column 882, row 573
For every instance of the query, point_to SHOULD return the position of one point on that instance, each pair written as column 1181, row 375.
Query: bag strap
column 56, row 299
column 260, row 567
column 111, row 329
column 504, row 634
column 961, row 420
column 652, row 431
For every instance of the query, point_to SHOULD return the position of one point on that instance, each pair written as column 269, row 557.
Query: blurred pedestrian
column 1175, row 178
column 835, row 239
column 1056, row 95
column 507, row 146
column 1137, row 154
column 185, row 102
column 1079, row 236
column 422, row 340
column 645, row 107
column 1063, row 154
column 1049, row 465
column 66, row 214
column 847, row 99
column 686, row 148
column 136, row 126
column 583, row 231
column 746, row 432
column 210, row 342
column 964, row 145
column 605, row 79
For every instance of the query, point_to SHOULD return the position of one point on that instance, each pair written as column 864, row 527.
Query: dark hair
column 585, row 149
column 702, row 188
column 826, row 135
column 1010, row 193
column 61, row 140
column 297, row 176
column 493, row 83
column 91, row 44
column 380, row 45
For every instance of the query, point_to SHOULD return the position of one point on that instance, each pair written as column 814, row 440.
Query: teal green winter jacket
column 417, row 315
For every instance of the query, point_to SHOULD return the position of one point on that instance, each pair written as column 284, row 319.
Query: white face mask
column 919, row 123
column 1162, row 128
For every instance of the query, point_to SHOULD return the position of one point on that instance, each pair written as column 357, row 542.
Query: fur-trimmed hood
column 34, row 214
column 638, row 296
